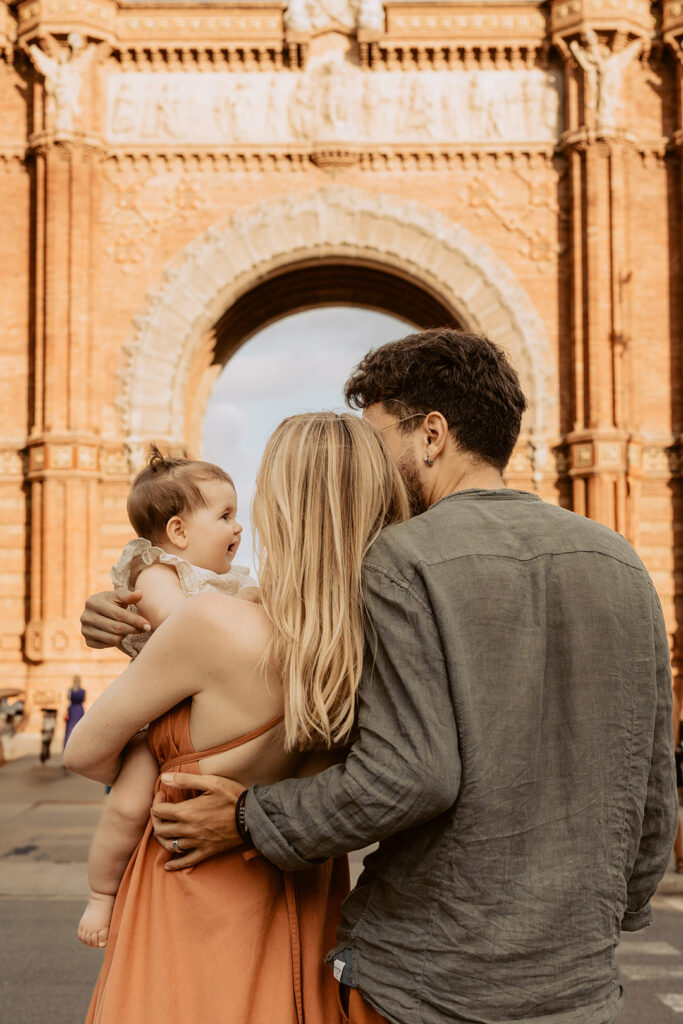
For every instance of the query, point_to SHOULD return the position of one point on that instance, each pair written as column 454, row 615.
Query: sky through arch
column 297, row 364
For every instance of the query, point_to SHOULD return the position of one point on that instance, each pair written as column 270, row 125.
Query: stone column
column 672, row 31
column 64, row 159
column 604, row 453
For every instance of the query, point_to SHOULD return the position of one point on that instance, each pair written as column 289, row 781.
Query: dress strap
column 199, row 755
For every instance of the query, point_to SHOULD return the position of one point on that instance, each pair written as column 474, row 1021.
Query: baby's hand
column 252, row 594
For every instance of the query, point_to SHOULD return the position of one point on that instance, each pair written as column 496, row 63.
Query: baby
column 184, row 513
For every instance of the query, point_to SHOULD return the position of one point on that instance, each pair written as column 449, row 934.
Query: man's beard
column 407, row 467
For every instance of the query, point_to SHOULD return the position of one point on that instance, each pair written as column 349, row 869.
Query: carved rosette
column 54, row 640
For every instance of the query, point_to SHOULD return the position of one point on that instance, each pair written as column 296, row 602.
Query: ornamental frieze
column 332, row 102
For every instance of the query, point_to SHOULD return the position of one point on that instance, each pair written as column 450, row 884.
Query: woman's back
column 237, row 694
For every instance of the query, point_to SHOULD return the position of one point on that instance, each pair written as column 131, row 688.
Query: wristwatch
column 241, row 819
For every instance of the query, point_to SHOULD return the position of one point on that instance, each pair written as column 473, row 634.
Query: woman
column 255, row 693
column 75, row 711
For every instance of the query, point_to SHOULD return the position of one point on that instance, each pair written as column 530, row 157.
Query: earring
column 430, row 462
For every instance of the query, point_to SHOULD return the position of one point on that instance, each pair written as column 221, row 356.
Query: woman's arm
column 174, row 664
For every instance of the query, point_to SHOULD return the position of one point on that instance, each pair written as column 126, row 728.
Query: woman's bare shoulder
column 217, row 625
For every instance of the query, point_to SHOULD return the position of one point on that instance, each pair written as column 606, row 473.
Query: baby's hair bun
column 155, row 459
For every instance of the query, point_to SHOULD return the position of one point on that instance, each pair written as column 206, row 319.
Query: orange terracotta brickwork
column 173, row 176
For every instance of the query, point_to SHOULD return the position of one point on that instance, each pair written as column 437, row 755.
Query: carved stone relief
column 528, row 214
column 332, row 102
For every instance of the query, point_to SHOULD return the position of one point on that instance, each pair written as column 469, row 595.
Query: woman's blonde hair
column 325, row 488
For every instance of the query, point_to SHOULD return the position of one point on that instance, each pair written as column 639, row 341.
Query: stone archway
column 334, row 225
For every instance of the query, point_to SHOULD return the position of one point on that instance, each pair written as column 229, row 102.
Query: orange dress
column 233, row 940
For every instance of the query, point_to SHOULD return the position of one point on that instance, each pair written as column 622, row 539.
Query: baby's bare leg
column 123, row 821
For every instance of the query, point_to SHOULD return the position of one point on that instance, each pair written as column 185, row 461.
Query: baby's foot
column 93, row 927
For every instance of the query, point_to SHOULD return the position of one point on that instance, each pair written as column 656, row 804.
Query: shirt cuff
column 634, row 920
column 267, row 839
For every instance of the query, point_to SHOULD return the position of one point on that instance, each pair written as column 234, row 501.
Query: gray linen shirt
column 514, row 757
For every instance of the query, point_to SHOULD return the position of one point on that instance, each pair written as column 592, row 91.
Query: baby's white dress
column 140, row 553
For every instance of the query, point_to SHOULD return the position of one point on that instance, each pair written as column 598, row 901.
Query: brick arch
column 440, row 264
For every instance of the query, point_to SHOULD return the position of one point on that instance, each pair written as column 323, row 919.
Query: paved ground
column 46, row 976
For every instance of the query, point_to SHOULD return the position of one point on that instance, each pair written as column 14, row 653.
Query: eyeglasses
column 404, row 419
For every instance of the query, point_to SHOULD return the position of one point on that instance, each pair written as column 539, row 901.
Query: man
column 514, row 752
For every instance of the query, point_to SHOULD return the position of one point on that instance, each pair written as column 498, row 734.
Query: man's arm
column 403, row 769
column 661, row 809
column 106, row 620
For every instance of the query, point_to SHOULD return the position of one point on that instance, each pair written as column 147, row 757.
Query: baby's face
column 213, row 532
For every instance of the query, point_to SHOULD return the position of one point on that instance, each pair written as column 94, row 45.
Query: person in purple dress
column 75, row 710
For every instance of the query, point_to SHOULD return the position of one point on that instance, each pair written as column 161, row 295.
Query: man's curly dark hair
column 465, row 377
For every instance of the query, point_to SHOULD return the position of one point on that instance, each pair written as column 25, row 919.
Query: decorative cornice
column 250, row 36
column 470, row 23
column 60, row 456
column 65, row 142
column 570, row 18
column 409, row 55
column 210, row 57
column 12, row 157
column 95, row 19
column 610, row 140
column 592, row 453
column 418, row 157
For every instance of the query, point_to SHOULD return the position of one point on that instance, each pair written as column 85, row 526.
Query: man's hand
column 203, row 825
column 106, row 619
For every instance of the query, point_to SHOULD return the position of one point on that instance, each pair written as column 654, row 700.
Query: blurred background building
column 176, row 177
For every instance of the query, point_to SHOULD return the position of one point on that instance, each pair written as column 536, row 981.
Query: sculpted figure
column 550, row 104
column 484, row 117
column 124, row 114
column 63, row 75
column 421, row 110
column 301, row 111
column 451, row 109
column 297, row 18
column 604, row 73
column 335, row 95
column 371, row 15
column 163, row 114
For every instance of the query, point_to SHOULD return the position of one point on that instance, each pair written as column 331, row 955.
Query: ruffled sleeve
column 135, row 557
column 242, row 576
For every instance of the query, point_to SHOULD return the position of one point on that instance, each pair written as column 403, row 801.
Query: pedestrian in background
column 75, row 711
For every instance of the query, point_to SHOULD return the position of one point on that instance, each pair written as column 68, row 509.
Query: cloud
column 297, row 364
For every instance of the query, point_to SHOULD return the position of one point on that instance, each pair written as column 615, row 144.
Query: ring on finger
column 176, row 847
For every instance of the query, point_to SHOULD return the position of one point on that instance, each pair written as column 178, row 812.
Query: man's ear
column 176, row 532
column 436, row 433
